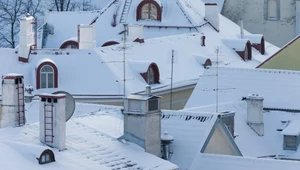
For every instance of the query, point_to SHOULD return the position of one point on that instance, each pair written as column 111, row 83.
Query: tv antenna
column 217, row 51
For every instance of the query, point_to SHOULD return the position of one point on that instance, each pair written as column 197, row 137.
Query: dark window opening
column 153, row 104
column 49, row 100
column 54, row 100
column 43, row 99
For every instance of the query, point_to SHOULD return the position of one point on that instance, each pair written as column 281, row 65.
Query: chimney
column 142, row 122
column 228, row 119
column 212, row 15
column 242, row 29
column 135, row 33
column 255, row 113
column 203, row 40
column 87, row 36
column 26, row 38
column 53, row 120
column 13, row 107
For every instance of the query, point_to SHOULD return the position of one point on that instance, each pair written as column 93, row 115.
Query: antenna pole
column 171, row 93
column 217, row 83
column 124, row 64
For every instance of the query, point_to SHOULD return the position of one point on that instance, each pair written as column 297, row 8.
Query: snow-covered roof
column 217, row 162
column 293, row 128
column 279, row 88
column 271, row 144
column 87, row 147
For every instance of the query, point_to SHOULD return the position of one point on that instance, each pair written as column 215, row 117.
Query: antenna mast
column 171, row 93
column 124, row 64
column 217, row 83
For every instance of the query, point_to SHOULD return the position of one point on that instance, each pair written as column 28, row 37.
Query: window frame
column 46, row 74
column 287, row 146
column 39, row 74
column 152, row 3
column 277, row 10
column 46, row 154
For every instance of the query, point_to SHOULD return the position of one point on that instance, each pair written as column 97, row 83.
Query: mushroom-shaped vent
column 166, row 137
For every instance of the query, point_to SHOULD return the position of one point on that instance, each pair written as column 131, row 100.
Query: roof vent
column 28, row 94
column 166, row 140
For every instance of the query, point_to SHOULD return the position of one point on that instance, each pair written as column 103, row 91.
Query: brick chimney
column 255, row 117
column 142, row 122
column 26, row 38
column 87, row 36
column 13, row 107
column 212, row 15
column 53, row 120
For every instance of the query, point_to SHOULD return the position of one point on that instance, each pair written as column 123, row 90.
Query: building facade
column 277, row 20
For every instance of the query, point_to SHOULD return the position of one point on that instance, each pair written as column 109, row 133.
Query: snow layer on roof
column 139, row 66
column 292, row 129
column 253, row 38
column 250, row 144
column 236, row 44
column 279, row 88
column 217, row 162
column 87, row 147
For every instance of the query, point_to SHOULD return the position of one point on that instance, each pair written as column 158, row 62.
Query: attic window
column 46, row 76
column 248, row 52
column 148, row 10
column 152, row 74
column 46, row 157
column 70, row 44
column 272, row 10
column 290, row 142
column 108, row 43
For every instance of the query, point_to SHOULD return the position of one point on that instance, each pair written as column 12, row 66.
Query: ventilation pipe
column 87, row 36
column 255, row 113
column 166, row 140
column 148, row 90
column 53, row 120
column 242, row 29
column 212, row 15
column 13, row 107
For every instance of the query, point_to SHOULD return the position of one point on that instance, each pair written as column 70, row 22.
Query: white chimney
column 242, row 29
column 26, row 38
column 255, row 113
column 148, row 89
column 212, row 15
column 13, row 107
column 142, row 122
column 53, row 120
column 135, row 33
column 87, row 36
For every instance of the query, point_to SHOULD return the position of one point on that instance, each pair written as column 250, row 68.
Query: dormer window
column 46, row 157
column 47, row 76
column 152, row 74
column 148, row 10
column 272, row 10
column 290, row 142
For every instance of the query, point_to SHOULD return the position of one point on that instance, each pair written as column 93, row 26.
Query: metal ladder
column 48, row 122
column 21, row 105
column 125, row 11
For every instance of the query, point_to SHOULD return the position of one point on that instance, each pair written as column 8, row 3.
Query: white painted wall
column 252, row 12
column 219, row 144
column 59, row 123
column 255, row 117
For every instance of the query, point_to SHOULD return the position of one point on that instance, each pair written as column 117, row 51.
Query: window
column 150, row 76
column 46, row 157
column 246, row 54
column 148, row 10
column 290, row 142
column 47, row 76
column 272, row 9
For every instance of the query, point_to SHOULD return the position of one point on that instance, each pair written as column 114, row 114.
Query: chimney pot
column 148, row 90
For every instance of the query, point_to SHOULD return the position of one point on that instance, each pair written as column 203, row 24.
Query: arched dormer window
column 248, row 51
column 148, row 10
column 152, row 74
column 46, row 76
column 272, row 9
column 108, row 43
column 46, row 157
column 70, row 44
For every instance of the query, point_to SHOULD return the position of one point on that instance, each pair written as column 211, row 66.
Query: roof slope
column 280, row 88
column 87, row 148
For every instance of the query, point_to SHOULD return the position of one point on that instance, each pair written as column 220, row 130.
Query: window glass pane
column 150, row 76
column 290, row 141
column 43, row 80
column 246, row 53
column 43, row 159
column 47, row 68
column 272, row 9
column 145, row 11
column 47, row 157
column 50, row 80
column 153, row 12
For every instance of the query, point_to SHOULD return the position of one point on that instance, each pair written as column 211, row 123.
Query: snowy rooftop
column 87, row 147
column 279, row 88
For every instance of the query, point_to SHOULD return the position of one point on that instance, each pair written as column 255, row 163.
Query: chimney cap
column 166, row 137
column 255, row 97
